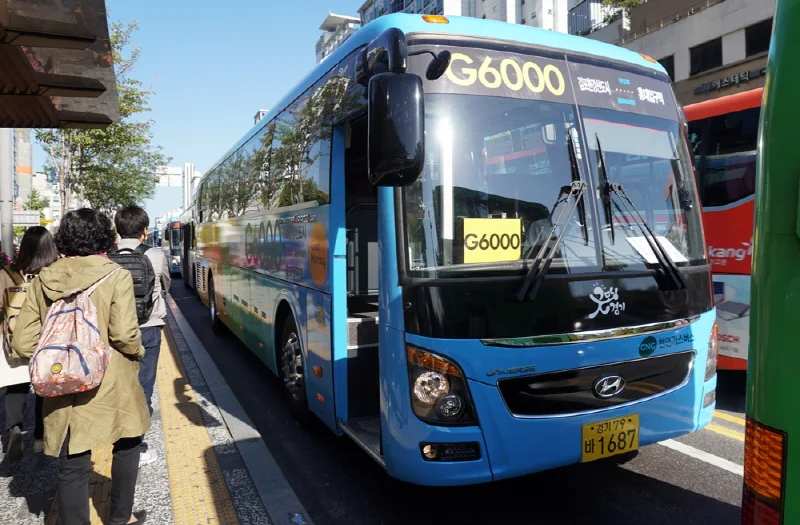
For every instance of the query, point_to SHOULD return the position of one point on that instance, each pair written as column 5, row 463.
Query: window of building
column 669, row 65
column 705, row 56
column 757, row 37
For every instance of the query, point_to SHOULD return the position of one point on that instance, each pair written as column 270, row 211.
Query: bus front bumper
column 515, row 446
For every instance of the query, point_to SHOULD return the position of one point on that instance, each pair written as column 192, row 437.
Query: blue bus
column 474, row 248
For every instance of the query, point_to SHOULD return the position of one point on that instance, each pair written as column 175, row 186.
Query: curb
column 279, row 499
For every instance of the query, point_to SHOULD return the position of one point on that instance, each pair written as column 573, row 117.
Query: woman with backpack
column 113, row 413
column 37, row 250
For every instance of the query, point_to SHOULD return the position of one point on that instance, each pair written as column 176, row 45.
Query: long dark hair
column 37, row 250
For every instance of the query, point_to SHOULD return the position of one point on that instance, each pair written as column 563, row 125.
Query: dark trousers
column 73, row 483
column 151, row 341
column 16, row 400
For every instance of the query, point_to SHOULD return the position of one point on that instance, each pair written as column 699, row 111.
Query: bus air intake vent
column 573, row 391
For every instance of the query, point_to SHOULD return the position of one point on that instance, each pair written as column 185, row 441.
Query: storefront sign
column 724, row 82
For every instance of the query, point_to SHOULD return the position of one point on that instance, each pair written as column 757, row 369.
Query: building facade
column 545, row 14
column 336, row 29
column 709, row 49
column 191, row 178
column 23, row 166
column 170, row 176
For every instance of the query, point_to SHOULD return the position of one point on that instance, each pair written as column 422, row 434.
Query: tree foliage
column 35, row 201
column 624, row 5
column 115, row 166
column 277, row 167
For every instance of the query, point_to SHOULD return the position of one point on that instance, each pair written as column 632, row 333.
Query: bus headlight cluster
column 439, row 393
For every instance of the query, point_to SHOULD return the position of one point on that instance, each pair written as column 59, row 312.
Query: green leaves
column 115, row 166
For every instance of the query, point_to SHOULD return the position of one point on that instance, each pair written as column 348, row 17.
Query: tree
column 115, row 166
column 35, row 201
column 624, row 5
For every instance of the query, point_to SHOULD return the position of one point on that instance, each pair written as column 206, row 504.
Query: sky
column 214, row 64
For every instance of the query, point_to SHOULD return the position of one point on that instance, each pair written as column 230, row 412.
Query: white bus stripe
column 724, row 464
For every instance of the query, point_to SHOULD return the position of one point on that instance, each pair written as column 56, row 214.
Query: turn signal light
column 649, row 58
column 764, row 480
column 435, row 19
column 433, row 362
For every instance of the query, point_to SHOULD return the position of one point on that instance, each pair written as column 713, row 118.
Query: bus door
column 361, row 223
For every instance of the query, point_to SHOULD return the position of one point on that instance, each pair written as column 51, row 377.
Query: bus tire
column 216, row 322
column 293, row 372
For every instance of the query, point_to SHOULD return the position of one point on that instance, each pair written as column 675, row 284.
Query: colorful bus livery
column 723, row 133
column 424, row 242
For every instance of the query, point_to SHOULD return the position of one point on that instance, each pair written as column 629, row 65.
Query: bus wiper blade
column 576, row 177
column 658, row 250
column 544, row 257
column 605, row 187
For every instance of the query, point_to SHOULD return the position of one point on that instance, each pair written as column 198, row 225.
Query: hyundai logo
column 608, row 386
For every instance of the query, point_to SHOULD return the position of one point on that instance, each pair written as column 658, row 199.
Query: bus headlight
column 713, row 352
column 439, row 393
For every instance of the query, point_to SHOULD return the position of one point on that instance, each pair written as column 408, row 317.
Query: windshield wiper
column 544, row 258
column 605, row 187
column 576, row 177
column 610, row 189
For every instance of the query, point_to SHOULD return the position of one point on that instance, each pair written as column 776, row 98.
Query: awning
column 56, row 67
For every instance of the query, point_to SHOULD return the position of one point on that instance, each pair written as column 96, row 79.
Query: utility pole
column 6, row 192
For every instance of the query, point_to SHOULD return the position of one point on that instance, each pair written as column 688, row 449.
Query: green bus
column 773, row 414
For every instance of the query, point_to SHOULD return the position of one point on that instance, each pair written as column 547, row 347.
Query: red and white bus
column 724, row 135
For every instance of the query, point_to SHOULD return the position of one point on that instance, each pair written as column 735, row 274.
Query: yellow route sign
column 492, row 240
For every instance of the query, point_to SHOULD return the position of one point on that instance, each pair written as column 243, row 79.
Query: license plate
column 608, row 438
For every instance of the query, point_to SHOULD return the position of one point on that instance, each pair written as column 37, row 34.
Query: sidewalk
column 199, row 477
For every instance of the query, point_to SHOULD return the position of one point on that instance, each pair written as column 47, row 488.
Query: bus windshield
column 494, row 175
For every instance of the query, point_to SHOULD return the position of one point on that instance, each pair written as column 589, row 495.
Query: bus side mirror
column 396, row 129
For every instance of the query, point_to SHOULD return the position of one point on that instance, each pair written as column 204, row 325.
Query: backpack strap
column 15, row 276
column 142, row 249
column 93, row 287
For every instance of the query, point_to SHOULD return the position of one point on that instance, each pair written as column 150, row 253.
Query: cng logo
column 648, row 346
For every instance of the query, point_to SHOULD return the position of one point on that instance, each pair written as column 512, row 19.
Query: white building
column 170, row 176
column 335, row 30
column 48, row 192
column 191, row 178
column 710, row 49
column 546, row 14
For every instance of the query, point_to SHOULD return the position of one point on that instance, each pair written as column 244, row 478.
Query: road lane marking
column 717, row 461
column 728, row 417
column 725, row 431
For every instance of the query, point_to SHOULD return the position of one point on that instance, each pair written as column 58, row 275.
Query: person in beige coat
column 37, row 250
column 115, row 413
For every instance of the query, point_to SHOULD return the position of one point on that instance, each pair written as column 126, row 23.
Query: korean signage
column 725, row 82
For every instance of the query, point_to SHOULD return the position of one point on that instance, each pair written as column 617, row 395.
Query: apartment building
column 336, row 29
column 710, row 49
column 546, row 14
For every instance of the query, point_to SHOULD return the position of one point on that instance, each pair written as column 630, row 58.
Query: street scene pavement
column 338, row 483
column 201, row 475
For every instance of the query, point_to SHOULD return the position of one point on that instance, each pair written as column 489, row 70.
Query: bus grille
column 572, row 391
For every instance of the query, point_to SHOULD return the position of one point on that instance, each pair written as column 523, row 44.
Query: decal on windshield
column 607, row 301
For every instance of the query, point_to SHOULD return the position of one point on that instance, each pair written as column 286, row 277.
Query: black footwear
column 140, row 516
column 16, row 444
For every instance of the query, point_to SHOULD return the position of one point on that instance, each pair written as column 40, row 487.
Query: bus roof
column 457, row 25
column 723, row 105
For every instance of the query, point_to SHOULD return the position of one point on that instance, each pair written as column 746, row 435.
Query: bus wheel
column 293, row 372
column 216, row 323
